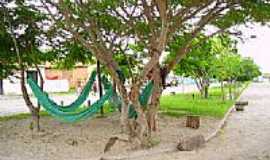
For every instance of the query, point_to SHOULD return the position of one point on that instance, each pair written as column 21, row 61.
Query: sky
column 258, row 48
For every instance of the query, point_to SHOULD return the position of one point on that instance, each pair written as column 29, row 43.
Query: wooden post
column 193, row 121
column 1, row 80
column 88, row 103
column 239, row 105
column 1, row 87
column 99, row 86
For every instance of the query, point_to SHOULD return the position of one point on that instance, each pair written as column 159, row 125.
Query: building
column 79, row 74
column 55, row 80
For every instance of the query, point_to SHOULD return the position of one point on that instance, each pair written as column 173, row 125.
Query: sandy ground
column 84, row 140
column 245, row 137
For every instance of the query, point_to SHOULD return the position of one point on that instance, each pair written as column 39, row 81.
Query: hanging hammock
column 143, row 99
column 74, row 105
column 116, row 101
column 68, row 116
column 68, row 113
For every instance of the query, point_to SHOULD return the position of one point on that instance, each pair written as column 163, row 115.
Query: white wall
column 12, row 86
column 56, row 85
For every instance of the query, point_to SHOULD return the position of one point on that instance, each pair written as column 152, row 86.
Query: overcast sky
column 258, row 48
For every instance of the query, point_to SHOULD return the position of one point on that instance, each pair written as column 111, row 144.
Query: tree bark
column 155, row 99
column 206, row 91
column 37, row 117
column 29, row 104
column 34, row 111
column 100, row 86
column 203, row 86
column 222, row 90
column 199, row 86
column 230, row 89
column 137, row 127
column 114, row 86
column 206, row 85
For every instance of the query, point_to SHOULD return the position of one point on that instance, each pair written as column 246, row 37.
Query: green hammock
column 68, row 116
column 77, row 103
column 143, row 99
column 116, row 101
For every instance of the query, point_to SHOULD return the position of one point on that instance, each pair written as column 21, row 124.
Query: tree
column 199, row 64
column 20, row 29
column 6, row 60
column 248, row 70
column 227, row 63
column 104, row 26
column 230, row 64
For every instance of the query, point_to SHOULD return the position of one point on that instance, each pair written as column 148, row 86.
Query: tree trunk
column 124, row 108
column 34, row 111
column 100, row 86
column 206, row 93
column 114, row 86
column 137, row 127
column 222, row 90
column 37, row 116
column 230, row 90
column 206, row 85
column 155, row 99
column 29, row 104
column 199, row 86
column 203, row 86
column 235, row 90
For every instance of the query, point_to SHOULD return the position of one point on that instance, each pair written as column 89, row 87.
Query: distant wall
column 56, row 85
column 12, row 86
column 74, row 76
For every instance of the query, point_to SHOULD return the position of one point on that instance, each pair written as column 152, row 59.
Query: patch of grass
column 183, row 104
column 213, row 106
column 21, row 116
column 70, row 92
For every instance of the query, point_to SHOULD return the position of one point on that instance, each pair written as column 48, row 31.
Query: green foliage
column 199, row 62
column 22, row 22
column 230, row 65
column 104, row 23
column 69, row 54
column 248, row 70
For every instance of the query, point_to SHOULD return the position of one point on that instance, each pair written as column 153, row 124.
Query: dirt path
column 245, row 137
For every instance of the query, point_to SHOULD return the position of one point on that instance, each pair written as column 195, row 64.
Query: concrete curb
column 220, row 125
column 225, row 118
